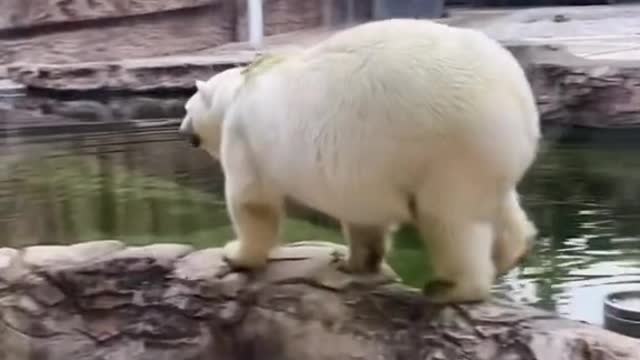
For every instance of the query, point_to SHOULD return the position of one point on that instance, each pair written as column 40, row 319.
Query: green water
column 144, row 185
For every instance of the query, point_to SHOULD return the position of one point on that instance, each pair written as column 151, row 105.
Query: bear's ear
column 204, row 92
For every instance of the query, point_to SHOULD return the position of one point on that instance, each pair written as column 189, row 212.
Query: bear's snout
column 187, row 133
column 194, row 140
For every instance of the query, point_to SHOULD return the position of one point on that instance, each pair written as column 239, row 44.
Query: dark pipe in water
column 622, row 313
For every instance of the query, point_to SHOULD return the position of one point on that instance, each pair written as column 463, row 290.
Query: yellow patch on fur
column 261, row 65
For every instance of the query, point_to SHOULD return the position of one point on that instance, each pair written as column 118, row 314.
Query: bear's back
column 421, row 38
column 419, row 63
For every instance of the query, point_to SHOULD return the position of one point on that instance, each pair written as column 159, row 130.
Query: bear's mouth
column 194, row 140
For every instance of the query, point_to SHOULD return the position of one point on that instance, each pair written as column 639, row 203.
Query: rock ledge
column 570, row 90
column 101, row 300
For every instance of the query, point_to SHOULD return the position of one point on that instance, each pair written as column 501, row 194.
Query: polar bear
column 400, row 121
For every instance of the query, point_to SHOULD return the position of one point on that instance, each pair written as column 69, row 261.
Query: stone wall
column 29, row 13
column 58, row 32
column 123, row 38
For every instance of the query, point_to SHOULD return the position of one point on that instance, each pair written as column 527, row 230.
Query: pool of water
column 74, row 171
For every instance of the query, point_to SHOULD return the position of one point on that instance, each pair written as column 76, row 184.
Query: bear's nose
column 194, row 140
column 188, row 135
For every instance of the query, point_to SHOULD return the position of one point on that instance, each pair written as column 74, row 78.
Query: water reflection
column 586, row 201
column 86, row 187
column 136, row 180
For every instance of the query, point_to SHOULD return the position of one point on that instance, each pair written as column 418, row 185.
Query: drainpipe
column 256, row 23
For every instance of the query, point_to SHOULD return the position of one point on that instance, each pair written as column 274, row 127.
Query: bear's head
column 206, row 109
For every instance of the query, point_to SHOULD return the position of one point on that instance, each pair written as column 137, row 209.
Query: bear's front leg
column 255, row 208
column 368, row 246
column 256, row 225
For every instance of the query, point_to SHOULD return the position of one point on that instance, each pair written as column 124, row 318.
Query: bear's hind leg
column 515, row 234
column 460, row 252
column 368, row 246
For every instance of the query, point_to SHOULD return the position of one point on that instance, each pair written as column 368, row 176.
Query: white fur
column 369, row 120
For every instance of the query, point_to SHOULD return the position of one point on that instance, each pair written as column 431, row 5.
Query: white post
column 327, row 13
column 256, row 23
column 351, row 10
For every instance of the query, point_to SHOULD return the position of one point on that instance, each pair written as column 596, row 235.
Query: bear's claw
column 238, row 258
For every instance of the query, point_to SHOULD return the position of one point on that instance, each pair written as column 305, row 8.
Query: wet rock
column 574, row 91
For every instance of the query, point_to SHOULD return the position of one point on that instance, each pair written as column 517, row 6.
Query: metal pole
column 256, row 23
